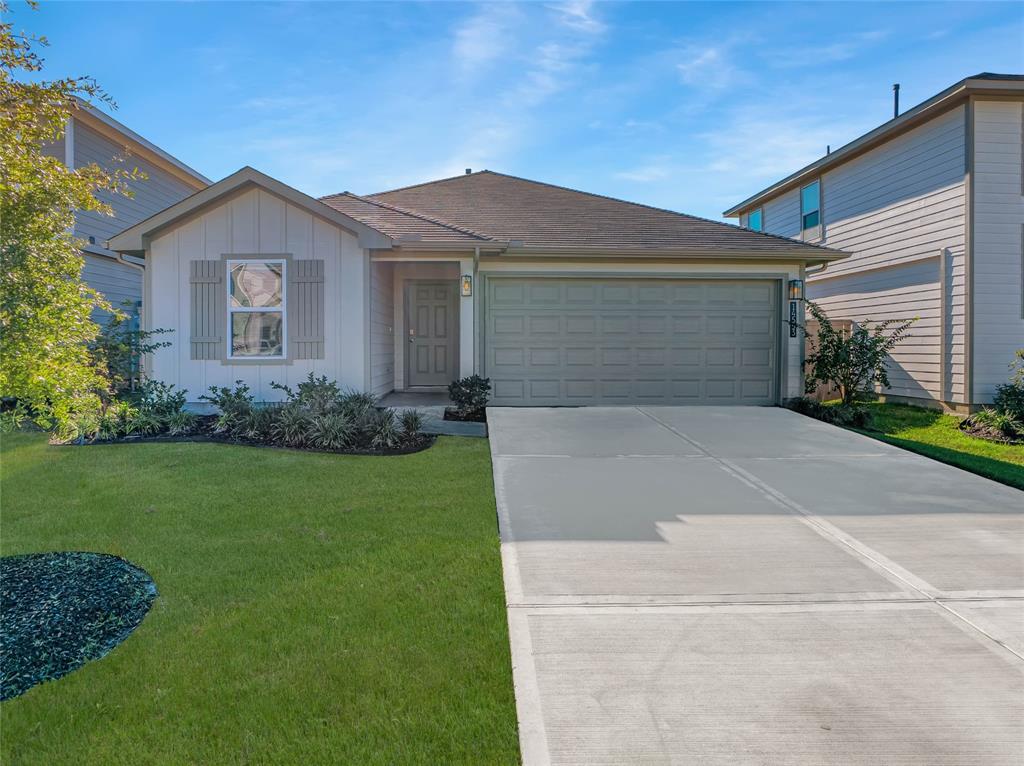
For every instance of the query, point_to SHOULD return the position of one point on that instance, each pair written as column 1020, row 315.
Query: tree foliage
column 852, row 363
column 45, row 308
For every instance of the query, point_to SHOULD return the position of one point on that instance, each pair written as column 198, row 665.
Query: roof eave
column 942, row 101
column 804, row 254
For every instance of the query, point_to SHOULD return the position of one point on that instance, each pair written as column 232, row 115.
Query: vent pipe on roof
column 895, row 100
column 469, row 171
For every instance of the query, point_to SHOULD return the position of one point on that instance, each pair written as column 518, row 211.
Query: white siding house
column 94, row 137
column 574, row 298
column 930, row 205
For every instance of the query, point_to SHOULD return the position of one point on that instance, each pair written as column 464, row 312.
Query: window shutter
column 208, row 302
column 306, row 309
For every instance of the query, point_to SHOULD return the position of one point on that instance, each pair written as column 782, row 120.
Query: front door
column 431, row 333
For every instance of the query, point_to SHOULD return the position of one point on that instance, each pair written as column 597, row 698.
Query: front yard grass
column 931, row 433
column 312, row 608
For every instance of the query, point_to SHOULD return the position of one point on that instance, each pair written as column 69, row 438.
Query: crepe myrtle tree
column 45, row 308
column 852, row 363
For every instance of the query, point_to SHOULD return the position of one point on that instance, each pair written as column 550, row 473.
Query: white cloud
column 841, row 50
column 578, row 15
column 707, row 67
column 484, row 36
column 658, row 169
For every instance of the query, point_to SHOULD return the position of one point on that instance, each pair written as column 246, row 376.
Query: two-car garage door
column 572, row 341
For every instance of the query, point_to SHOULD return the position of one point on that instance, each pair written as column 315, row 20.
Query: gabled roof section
column 535, row 216
column 135, row 239
column 400, row 224
column 984, row 83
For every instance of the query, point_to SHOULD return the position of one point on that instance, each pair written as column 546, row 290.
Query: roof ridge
column 414, row 214
column 435, row 181
column 627, row 202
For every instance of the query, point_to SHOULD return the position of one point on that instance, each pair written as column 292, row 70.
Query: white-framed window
column 755, row 220
column 257, row 312
column 810, row 210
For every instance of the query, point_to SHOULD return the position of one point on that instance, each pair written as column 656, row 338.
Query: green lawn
column 936, row 435
column 313, row 608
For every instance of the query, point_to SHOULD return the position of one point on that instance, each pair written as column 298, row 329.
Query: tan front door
column 431, row 333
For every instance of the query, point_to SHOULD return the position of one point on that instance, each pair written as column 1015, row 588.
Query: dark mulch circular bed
column 58, row 611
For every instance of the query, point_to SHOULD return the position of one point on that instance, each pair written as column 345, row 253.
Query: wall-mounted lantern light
column 467, row 285
column 796, row 289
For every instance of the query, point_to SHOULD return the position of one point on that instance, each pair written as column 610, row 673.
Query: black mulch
column 60, row 610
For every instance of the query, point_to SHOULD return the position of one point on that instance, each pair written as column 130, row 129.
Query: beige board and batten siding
column 900, row 209
column 998, row 226
column 248, row 224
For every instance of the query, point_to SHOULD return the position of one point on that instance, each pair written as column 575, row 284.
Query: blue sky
column 689, row 106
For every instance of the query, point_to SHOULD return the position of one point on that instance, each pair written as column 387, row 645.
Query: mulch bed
column 61, row 610
column 472, row 416
column 425, row 441
column 987, row 433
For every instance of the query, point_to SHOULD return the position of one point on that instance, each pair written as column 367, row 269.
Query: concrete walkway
column 749, row 586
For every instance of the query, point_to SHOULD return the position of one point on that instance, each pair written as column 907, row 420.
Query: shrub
column 470, row 394
column 318, row 395
column 384, row 431
column 13, row 418
column 120, row 346
column 160, row 398
column 851, row 364
column 292, row 426
column 144, row 423
column 233, row 403
column 358, row 405
column 1009, row 398
column 181, row 423
column 411, row 421
column 840, row 414
column 1003, row 422
column 257, row 424
column 332, row 431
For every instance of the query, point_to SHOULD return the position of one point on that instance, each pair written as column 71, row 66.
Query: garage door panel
column 584, row 341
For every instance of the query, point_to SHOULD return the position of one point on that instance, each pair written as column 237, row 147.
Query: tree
column 854, row 363
column 45, row 308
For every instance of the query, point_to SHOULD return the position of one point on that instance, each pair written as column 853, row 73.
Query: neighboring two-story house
column 931, row 206
column 94, row 137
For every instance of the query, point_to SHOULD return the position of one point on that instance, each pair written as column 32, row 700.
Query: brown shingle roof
column 396, row 222
column 505, row 207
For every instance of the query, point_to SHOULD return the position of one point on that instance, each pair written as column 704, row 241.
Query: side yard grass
column 936, row 435
column 312, row 608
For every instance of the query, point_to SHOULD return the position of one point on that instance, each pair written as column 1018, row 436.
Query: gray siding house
column 930, row 207
column 94, row 137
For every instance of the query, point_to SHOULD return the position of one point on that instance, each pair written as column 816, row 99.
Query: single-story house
column 560, row 297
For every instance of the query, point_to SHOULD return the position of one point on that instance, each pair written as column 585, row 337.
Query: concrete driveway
column 747, row 585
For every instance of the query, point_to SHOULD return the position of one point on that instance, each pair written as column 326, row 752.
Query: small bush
column 411, row 421
column 318, row 395
column 257, row 424
column 384, row 430
column 182, row 423
column 470, row 394
column 358, row 405
column 234, row 404
column 144, row 423
column 14, row 418
column 292, row 426
column 160, row 398
column 333, row 431
column 852, row 415
column 1003, row 422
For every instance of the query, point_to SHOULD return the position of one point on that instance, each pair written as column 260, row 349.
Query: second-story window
column 755, row 220
column 810, row 210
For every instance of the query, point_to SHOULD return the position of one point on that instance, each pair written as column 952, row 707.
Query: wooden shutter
column 306, row 309
column 208, row 302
